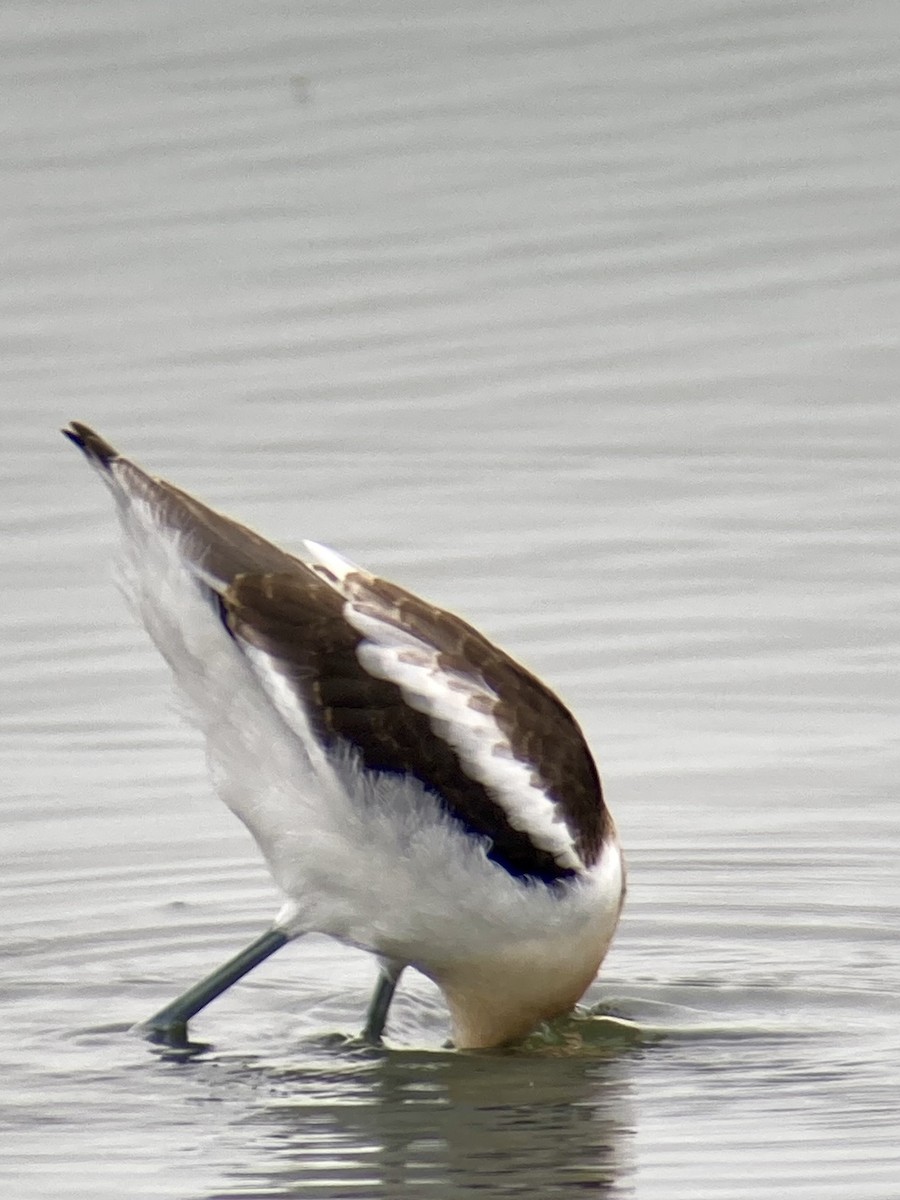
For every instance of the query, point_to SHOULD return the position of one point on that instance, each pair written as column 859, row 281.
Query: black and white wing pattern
column 412, row 689
column 416, row 690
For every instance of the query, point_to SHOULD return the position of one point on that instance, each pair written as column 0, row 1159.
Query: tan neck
column 493, row 1003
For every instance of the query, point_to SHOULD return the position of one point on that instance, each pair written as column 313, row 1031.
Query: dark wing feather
column 295, row 613
column 216, row 545
column 299, row 623
column 540, row 728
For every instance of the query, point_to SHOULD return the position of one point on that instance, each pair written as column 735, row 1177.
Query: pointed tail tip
column 92, row 444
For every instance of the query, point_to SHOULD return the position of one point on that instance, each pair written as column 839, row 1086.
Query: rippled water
column 582, row 321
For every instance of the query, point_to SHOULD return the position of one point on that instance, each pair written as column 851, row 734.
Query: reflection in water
column 412, row 1124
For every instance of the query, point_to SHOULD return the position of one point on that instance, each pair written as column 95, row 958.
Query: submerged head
column 500, row 997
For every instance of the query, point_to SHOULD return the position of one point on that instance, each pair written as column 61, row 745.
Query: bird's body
column 414, row 791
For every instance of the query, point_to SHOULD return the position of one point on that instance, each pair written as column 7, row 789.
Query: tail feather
column 212, row 545
column 94, row 447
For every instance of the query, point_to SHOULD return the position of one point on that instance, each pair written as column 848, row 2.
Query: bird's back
column 391, row 762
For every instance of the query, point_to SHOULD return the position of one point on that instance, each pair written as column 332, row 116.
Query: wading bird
column 415, row 792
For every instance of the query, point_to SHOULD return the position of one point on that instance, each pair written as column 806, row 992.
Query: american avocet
column 415, row 791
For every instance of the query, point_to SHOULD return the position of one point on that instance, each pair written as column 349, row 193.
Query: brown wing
column 273, row 601
column 299, row 623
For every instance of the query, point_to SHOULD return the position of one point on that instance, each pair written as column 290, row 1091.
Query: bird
column 415, row 791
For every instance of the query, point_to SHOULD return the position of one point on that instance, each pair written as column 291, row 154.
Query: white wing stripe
column 462, row 714
column 329, row 565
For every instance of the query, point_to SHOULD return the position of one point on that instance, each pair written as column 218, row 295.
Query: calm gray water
column 581, row 319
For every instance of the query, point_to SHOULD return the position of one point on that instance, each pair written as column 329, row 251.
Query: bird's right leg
column 168, row 1027
column 377, row 1012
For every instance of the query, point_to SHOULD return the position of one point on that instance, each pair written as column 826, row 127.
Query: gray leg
column 168, row 1027
column 376, row 1014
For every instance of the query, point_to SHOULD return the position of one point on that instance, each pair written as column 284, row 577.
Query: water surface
column 582, row 322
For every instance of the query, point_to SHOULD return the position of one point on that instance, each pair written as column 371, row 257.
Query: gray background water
column 581, row 319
